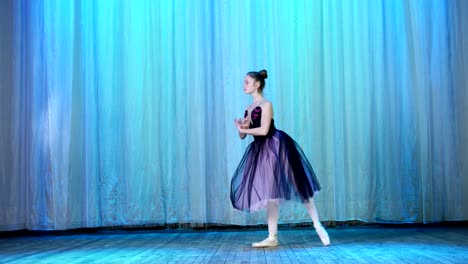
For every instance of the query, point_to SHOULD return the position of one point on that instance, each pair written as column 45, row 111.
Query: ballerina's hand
column 241, row 123
column 245, row 123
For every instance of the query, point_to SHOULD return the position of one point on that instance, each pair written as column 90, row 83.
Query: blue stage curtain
column 120, row 113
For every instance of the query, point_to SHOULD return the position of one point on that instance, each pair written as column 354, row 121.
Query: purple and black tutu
column 273, row 168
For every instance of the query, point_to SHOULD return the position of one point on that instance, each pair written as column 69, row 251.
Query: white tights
column 273, row 215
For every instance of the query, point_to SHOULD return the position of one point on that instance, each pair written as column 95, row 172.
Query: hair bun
column 263, row 73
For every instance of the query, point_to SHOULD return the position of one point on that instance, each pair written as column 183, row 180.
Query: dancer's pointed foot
column 322, row 233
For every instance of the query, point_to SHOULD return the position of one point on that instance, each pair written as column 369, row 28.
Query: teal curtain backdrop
column 120, row 113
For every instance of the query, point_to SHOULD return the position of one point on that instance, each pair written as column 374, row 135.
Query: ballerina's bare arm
column 267, row 115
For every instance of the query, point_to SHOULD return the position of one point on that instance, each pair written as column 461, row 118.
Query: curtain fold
column 120, row 113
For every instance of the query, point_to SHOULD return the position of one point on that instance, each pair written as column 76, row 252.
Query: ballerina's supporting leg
column 273, row 216
column 321, row 232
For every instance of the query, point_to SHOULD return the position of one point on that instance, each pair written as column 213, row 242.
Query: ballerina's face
column 250, row 85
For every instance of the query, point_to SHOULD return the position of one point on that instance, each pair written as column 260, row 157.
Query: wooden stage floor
column 375, row 244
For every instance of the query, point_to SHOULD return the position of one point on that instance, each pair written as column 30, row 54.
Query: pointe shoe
column 322, row 233
column 270, row 241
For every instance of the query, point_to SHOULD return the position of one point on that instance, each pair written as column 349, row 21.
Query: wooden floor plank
column 297, row 245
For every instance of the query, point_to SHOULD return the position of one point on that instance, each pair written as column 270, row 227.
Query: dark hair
column 259, row 77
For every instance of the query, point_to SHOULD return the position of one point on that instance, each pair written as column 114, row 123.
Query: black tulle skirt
column 273, row 168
